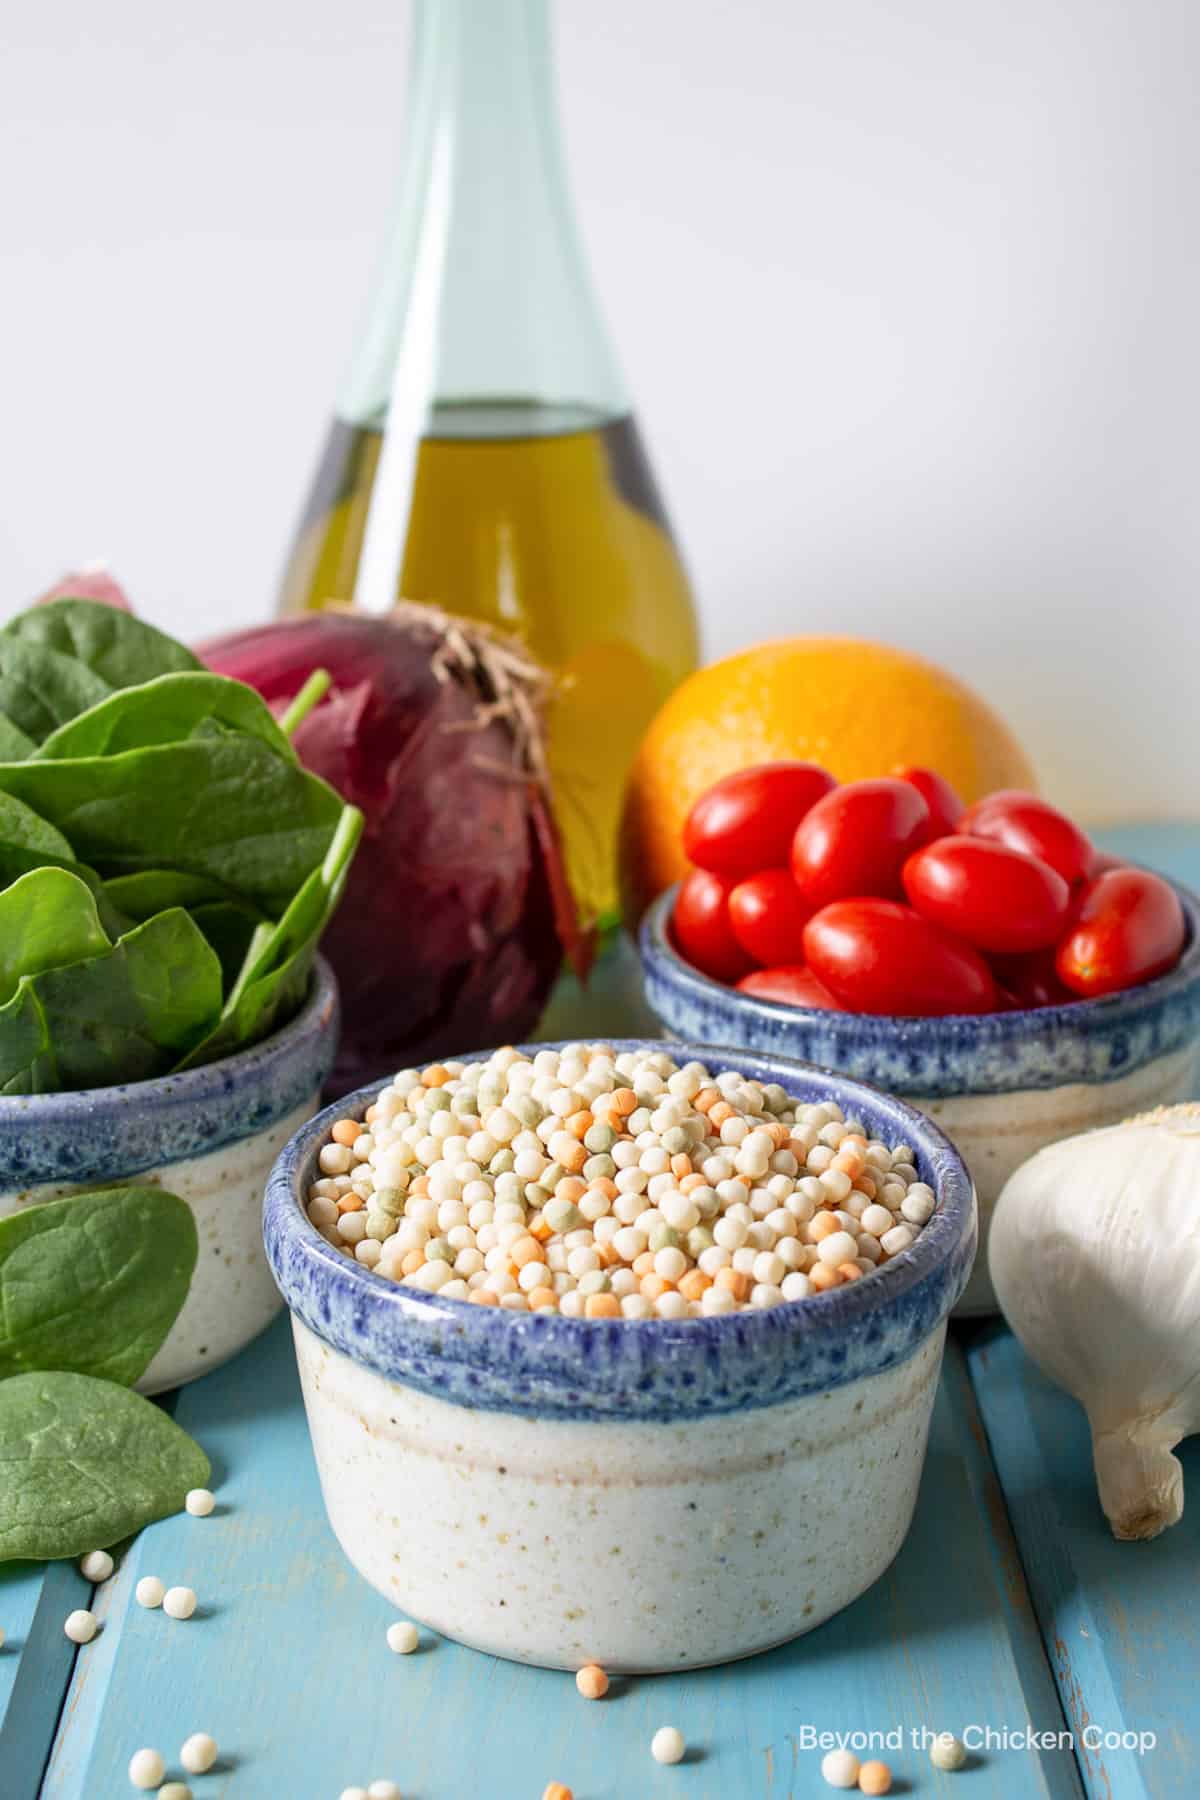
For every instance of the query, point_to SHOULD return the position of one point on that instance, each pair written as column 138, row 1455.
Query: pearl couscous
column 608, row 1185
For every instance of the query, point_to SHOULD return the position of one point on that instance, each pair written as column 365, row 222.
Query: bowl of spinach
column 167, row 867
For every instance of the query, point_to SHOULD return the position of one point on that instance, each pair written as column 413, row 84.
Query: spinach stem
column 314, row 689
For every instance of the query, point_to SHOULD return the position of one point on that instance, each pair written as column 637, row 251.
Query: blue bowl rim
column 484, row 1334
column 877, row 1030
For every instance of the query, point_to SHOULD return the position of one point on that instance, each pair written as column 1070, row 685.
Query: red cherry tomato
column 945, row 807
column 993, row 897
column 1031, row 980
column 1022, row 822
column 796, row 986
column 767, row 917
column 1103, row 861
column 700, row 926
column 1129, row 928
column 856, row 840
column 747, row 821
column 876, row 956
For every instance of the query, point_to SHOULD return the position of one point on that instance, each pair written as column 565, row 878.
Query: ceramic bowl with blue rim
column 1001, row 1085
column 209, row 1135
column 646, row 1495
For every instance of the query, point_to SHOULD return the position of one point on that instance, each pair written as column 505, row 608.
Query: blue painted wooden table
column 1010, row 1616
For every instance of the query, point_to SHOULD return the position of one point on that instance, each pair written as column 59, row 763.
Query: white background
column 907, row 291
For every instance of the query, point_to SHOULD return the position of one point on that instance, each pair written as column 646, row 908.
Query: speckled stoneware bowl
column 209, row 1135
column 1001, row 1085
column 648, row 1496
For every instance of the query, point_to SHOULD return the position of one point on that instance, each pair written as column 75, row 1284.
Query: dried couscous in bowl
column 598, row 1342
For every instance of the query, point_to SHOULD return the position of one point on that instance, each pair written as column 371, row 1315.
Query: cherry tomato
column 856, row 840
column 945, row 807
column 876, row 956
column 767, row 917
column 993, row 897
column 701, row 929
column 796, row 986
column 1022, row 822
column 1129, row 928
column 1103, row 861
column 1031, row 980
column 747, row 821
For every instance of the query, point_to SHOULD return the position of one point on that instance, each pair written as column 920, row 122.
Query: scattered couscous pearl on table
column 80, row 1626
column 840, row 1768
column 403, row 1637
column 554, row 1790
column 383, row 1790
column 606, row 1185
column 96, row 1566
column 592, row 1682
column 175, row 1790
column 947, row 1751
column 198, row 1753
column 146, row 1769
column 667, row 1745
column 149, row 1591
column 199, row 1502
column 179, row 1603
column 874, row 1778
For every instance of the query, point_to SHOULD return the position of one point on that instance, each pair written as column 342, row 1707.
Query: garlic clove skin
column 1095, row 1258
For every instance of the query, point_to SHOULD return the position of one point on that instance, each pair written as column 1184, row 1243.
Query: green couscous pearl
column 599, row 1139
column 675, row 1140
column 595, row 1282
column 664, row 1237
column 390, row 1200
column 379, row 1224
column 525, row 1108
column 597, row 1167
column 551, row 1175
column 502, row 1162
column 438, row 1250
column 436, row 1100
column 699, row 1239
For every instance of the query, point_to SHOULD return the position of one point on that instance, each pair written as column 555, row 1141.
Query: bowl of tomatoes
column 987, row 963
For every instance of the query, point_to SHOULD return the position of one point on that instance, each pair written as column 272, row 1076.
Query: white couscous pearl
column 146, row 1769
column 947, row 1751
column 838, row 1247
column 840, row 1768
column 383, row 1790
column 179, row 1603
column 198, row 1753
column 149, row 1591
column 402, row 1637
column 667, row 1745
column 175, row 1790
column 199, row 1502
column 97, row 1565
column 80, row 1626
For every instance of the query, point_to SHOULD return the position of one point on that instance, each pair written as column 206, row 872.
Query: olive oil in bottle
column 484, row 457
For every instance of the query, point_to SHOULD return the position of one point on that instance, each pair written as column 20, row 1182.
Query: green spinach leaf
column 121, row 650
column 94, row 1282
column 152, row 891
column 22, row 829
column 48, row 919
column 166, row 710
column 14, row 745
column 274, row 976
column 40, row 689
column 226, row 807
column 126, row 1016
column 84, row 1463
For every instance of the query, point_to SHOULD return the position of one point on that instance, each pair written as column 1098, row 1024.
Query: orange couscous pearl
column 412, row 1260
column 643, row 1263
column 822, row 1276
column 822, row 1226
column 653, row 1286
column 346, row 1131
column 371, row 1114
column 693, row 1284
column 435, row 1076
column 602, row 1306
column 542, row 1296
column 525, row 1250
column 718, row 1114
column 579, row 1123
column 592, row 1682
column 681, row 1165
column 483, row 1297
column 603, row 1184
column 624, row 1101
column 555, row 1790
column 849, row 1271
column 874, row 1778
column 351, row 1203
column 573, row 1160
column 570, row 1187
column 738, row 1283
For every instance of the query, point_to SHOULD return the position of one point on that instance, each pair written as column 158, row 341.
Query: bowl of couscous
column 573, row 1322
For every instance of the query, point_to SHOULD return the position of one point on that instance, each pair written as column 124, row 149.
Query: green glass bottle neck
column 483, row 321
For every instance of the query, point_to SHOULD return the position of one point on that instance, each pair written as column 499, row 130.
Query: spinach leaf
column 40, row 689
column 229, row 926
column 94, row 1282
column 152, row 891
column 23, row 829
column 14, row 745
column 274, row 977
column 47, row 919
column 226, row 807
column 84, row 1463
column 126, row 1016
column 121, row 650
column 166, row 711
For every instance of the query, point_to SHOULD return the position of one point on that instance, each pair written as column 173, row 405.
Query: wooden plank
column 35, row 1666
column 1118, row 1620
column 286, row 1663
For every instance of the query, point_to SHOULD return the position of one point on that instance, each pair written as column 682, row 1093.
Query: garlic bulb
column 1095, row 1257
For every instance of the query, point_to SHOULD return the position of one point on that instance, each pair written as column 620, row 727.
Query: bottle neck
column 484, row 311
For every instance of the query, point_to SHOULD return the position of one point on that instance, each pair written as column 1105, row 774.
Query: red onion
column 87, row 584
column 457, row 911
